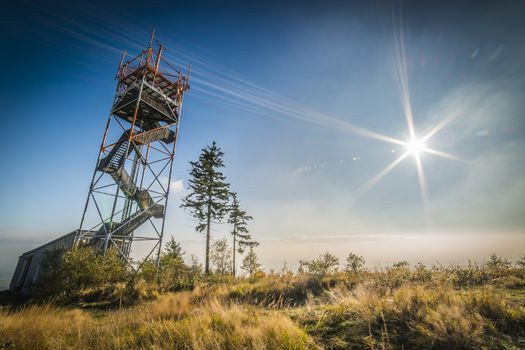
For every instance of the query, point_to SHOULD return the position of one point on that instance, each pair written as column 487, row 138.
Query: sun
column 415, row 147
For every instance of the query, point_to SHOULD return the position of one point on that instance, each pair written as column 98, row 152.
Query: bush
column 65, row 274
column 355, row 263
column 173, row 274
column 326, row 264
column 521, row 262
column 497, row 263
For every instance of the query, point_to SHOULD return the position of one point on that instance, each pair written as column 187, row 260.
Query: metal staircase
column 113, row 164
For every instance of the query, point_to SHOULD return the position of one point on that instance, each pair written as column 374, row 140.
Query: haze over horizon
column 295, row 94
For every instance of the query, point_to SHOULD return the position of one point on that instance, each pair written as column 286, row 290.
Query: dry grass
column 444, row 308
column 414, row 317
column 277, row 291
column 44, row 327
column 172, row 321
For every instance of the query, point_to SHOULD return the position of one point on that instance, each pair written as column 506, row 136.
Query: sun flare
column 415, row 147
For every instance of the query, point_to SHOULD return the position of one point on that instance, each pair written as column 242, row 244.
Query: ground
column 396, row 308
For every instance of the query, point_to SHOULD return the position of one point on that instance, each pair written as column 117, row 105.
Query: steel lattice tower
column 128, row 195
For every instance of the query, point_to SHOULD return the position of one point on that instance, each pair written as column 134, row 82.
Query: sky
column 310, row 102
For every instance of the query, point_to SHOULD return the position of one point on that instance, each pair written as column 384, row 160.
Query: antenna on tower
column 151, row 38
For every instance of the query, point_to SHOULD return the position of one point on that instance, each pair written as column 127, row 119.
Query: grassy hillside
column 474, row 307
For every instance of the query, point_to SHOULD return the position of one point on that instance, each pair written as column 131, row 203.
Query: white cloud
column 177, row 186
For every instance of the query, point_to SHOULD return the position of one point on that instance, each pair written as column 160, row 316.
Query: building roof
column 49, row 243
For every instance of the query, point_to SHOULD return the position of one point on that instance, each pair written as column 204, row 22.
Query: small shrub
column 172, row 274
column 498, row 263
column 521, row 262
column 355, row 263
column 326, row 264
column 401, row 265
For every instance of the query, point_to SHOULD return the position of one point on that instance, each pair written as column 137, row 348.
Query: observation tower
column 128, row 194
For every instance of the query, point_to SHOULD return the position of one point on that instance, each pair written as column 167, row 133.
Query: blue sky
column 280, row 87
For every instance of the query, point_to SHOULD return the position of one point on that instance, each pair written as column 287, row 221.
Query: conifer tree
column 173, row 253
column 239, row 219
column 173, row 272
column 209, row 196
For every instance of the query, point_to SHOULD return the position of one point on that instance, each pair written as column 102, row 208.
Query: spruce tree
column 173, row 273
column 209, row 193
column 173, row 255
column 239, row 219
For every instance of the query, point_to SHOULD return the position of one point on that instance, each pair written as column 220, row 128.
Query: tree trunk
column 233, row 270
column 208, row 220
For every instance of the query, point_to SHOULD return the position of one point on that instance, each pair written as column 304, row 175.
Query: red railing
column 149, row 59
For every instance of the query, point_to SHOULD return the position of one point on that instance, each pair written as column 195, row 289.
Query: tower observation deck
column 128, row 194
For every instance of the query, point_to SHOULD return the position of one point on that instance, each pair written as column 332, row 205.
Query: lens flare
column 415, row 147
